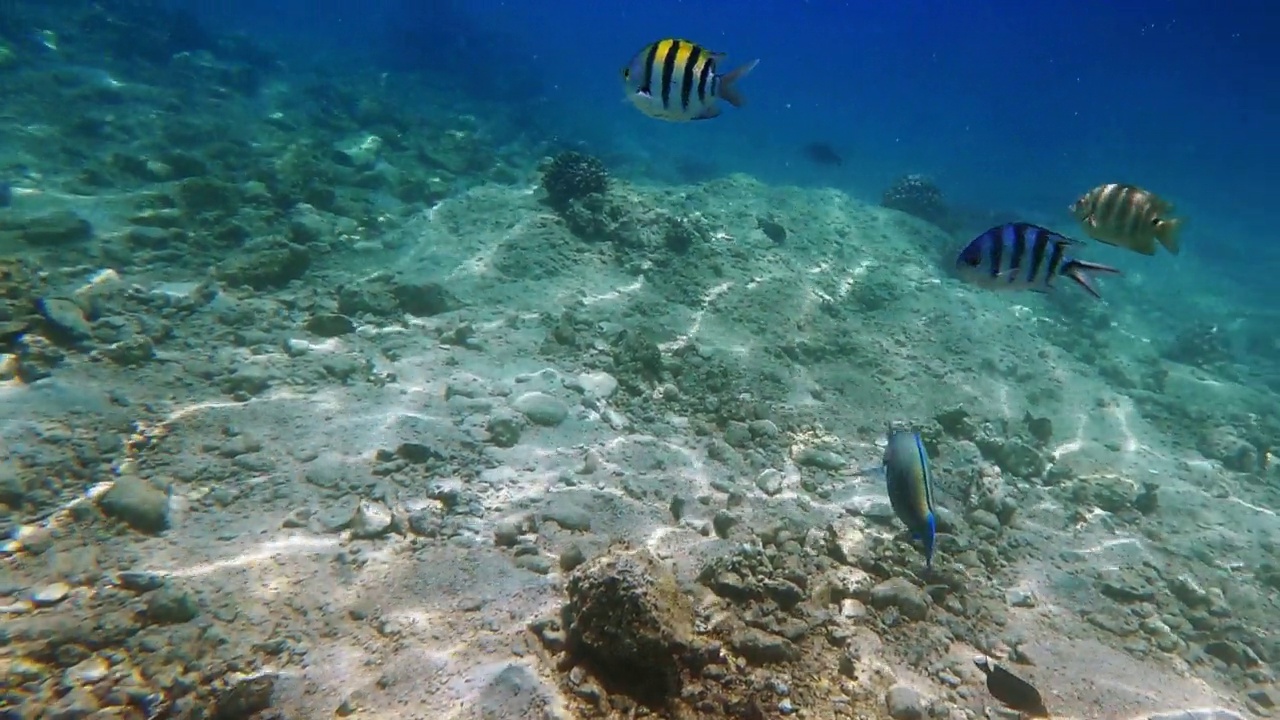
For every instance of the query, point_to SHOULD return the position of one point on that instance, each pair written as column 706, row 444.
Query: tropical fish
column 1016, row 693
column 1129, row 217
column 677, row 80
column 910, row 486
column 821, row 153
column 1021, row 256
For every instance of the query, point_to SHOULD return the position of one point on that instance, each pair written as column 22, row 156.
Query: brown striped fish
column 677, row 80
column 1129, row 217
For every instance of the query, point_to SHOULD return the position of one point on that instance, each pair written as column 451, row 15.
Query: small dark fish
column 1016, row 693
column 1021, row 256
column 6, row 194
column 910, row 486
column 821, row 153
column 677, row 80
column 1129, row 217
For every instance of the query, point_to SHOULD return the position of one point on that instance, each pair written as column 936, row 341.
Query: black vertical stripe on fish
column 1112, row 204
column 1135, row 207
column 650, row 58
column 707, row 68
column 1029, row 238
column 669, row 71
column 686, row 84
column 715, row 84
column 997, row 252
column 1055, row 260
column 1019, row 249
column 1037, row 255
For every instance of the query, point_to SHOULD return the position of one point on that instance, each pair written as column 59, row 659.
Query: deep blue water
column 1006, row 104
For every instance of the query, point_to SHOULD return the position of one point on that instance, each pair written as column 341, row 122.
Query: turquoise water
column 387, row 362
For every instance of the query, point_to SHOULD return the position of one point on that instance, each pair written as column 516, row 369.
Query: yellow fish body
column 678, row 81
column 1129, row 217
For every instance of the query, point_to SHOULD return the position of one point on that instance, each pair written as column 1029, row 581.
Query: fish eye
column 626, row 73
column 971, row 258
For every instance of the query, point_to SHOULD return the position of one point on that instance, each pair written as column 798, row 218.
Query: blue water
column 1006, row 104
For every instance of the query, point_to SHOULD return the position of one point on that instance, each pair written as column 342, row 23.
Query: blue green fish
column 910, row 486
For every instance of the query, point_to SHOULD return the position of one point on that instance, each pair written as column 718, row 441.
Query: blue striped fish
column 1021, row 256
column 677, row 80
column 910, row 486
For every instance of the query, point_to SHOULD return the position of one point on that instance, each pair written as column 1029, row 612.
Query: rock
column 821, row 459
column 762, row 429
column 1190, row 592
column 1224, row 445
column 1020, row 597
column 370, row 520
column 138, row 503
column 572, row 557
column 86, row 672
column 567, row 513
column 737, row 434
column 770, row 481
column 1015, row 457
column 14, row 483
column 504, row 430
column 330, row 325
column 761, row 647
column 465, row 385
column 596, row 385
column 51, row 594
column 169, row 606
column 66, row 318
column 847, row 540
column 1041, row 428
column 514, row 692
column 245, row 698
column 899, row 593
column 358, row 152
column 539, row 564
column 507, row 531
column 541, row 409
column 784, row 592
column 60, row 227
column 265, row 264
column 904, row 703
column 139, row 581
column 424, row 299
column 1112, row 493
column 249, row 380
column 629, row 618
column 1124, row 586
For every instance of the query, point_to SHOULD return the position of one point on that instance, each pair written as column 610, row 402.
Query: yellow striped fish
column 1129, row 217
column 676, row 80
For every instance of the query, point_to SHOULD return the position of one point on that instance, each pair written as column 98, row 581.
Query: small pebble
column 51, row 594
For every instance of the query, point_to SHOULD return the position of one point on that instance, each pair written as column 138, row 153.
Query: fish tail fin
column 728, row 84
column 1079, row 270
column 1167, row 233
